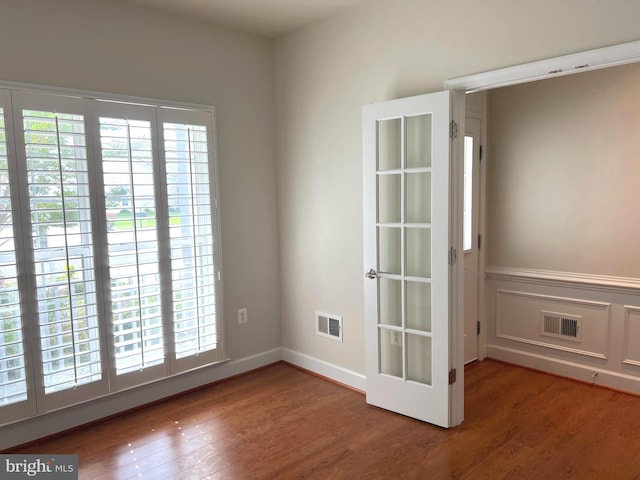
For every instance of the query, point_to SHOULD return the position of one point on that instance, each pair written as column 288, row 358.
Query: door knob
column 371, row 273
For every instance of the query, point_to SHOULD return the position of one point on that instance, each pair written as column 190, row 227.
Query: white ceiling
column 269, row 18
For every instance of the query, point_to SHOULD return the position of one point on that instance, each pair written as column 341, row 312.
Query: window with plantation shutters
column 13, row 383
column 132, row 243
column 109, row 260
column 63, row 261
column 191, row 236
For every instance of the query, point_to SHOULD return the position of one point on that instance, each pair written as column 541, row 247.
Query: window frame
column 14, row 98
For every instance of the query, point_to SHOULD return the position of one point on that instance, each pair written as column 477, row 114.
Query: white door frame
column 597, row 59
column 471, row 256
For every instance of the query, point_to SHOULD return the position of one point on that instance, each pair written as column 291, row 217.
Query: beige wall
column 382, row 50
column 562, row 175
column 113, row 47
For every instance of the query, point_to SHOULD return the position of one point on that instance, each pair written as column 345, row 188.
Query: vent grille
column 328, row 325
column 560, row 325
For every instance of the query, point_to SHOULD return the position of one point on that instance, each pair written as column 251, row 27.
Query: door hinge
column 479, row 241
column 478, row 327
column 453, row 129
column 453, row 373
column 481, row 152
column 453, row 256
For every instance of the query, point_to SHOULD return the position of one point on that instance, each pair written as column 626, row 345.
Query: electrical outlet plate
column 242, row 316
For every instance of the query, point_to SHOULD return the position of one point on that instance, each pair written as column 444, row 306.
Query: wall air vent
column 328, row 325
column 561, row 325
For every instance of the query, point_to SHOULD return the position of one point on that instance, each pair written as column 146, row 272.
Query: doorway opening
column 481, row 83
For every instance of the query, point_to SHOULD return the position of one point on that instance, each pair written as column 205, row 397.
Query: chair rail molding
column 565, row 279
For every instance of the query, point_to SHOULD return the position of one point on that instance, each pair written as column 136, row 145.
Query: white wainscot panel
column 520, row 317
column 632, row 336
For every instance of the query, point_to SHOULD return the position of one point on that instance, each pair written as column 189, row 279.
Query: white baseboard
column 246, row 364
column 584, row 373
column 325, row 369
column 31, row 429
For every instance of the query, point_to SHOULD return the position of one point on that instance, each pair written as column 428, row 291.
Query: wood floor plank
column 283, row 423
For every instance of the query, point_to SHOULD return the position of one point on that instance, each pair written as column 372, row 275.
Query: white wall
column 562, row 186
column 382, row 50
column 114, row 47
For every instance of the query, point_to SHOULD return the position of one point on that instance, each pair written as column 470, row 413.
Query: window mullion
column 164, row 245
column 100, row 251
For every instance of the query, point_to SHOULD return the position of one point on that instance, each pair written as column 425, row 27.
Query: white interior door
column 407, row 244
column 470, row 237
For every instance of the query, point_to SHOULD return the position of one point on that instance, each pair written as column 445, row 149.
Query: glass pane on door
column 391, row 352
column 389, row 198
column 390, row 302
column 419, row 359
column 404, row 177
column 418, row 206
column 419, row 141
column 418, row 256
column 389, row 144
column 390, row 250
column 468, row 194
column 418, row 298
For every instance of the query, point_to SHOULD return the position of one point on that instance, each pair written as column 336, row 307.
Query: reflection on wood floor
column 283, row 423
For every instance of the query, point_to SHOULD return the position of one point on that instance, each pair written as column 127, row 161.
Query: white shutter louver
column 191, row 239
column 59, row 204
column 127, row 162
column 13, row 385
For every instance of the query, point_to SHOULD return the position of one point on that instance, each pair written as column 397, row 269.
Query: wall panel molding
column 518, row 319
column 631, row 336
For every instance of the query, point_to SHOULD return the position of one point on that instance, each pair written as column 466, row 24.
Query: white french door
column 408, row 251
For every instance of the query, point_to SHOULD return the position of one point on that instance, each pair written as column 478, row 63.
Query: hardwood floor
column 282, row 423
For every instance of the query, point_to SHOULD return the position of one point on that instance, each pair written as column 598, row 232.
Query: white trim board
column 565, row 279
column 106, row 96
column 563, row 368
column 564, row 65
column 325, row 369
